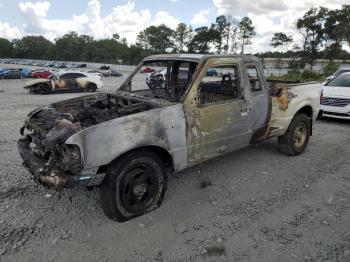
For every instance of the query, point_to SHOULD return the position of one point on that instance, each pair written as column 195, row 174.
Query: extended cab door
column 257, row 92
column 217, row 113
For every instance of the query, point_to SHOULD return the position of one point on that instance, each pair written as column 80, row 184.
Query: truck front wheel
column 295, row 140
column 134, row 184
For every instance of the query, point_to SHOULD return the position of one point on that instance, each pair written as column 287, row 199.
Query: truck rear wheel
column 44, row 89
column 134, row 185
column 91, row 87
column 295, row 140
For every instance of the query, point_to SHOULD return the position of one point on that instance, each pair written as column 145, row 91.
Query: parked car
column 212, row 72
column 10, row 74
column 105, row 73
column 26, row 72
column 335, row 102
column 7, row 68
column 65, row 82
column 128, row 142
column 337, row 73
column 81, row 65
column 105, row 67
column 95, row 72
column 71, row 65
column 147, row 70
column 41, row 74
column 114, row 73
column 156, row 79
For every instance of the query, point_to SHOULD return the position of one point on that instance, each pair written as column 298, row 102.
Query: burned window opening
column 167, row 80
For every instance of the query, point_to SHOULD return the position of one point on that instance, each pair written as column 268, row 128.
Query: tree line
column 324, row 31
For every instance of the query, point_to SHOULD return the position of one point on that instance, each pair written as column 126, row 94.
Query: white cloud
column 163, row 17
column 6, row 31
column 38, row 9
column 257, row 7
column 200, row 18
column 122, row 19
column 269, row 16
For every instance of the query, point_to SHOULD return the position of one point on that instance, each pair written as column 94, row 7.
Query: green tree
column 157, row 38
column 281, row 40
column 222, row 26
column 181, row 36
column 71, row 46
column 310, row 26
column 34, row 47
column 246, row 32
column 336, row 31
column 6, row 48
column 204, row 36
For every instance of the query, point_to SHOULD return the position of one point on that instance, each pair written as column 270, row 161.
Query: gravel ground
column 261, row 205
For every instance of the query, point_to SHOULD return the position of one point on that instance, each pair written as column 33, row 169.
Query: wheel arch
column 307, row 110
column 162, row 153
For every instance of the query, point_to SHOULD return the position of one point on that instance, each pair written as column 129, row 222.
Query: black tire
column 295, row 140
column 91, row 87
column 44, row 89
column 134, row 184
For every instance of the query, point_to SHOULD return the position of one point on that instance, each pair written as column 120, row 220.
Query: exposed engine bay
column 43, row 147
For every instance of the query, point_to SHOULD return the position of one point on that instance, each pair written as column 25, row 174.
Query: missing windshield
column 163, row 79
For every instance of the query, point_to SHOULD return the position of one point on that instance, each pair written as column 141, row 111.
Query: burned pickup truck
column 128, row 142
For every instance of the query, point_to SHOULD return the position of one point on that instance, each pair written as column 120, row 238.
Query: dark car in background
column 105, row 67
column 10, row 74
column 115, row 73
column 60, row 65
column 106, row 73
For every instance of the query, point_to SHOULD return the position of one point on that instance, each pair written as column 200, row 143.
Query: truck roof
column 199, row 57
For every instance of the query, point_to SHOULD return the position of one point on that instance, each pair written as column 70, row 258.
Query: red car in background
column 41, row 74
column 147, row 70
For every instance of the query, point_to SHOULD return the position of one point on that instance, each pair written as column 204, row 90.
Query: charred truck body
column 129, row 141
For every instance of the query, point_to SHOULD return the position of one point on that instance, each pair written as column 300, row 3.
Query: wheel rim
column 138, row 189
column 91, row 88
column 299, row 136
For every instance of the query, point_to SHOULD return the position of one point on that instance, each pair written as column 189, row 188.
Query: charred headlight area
column 45, row 154
column 43, row 148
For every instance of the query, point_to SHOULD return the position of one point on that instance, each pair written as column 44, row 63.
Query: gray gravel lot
column 261, row 206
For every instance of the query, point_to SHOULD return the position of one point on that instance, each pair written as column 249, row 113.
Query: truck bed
column 287, row 98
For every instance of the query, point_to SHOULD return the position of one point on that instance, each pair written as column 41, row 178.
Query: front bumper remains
column 54, row 177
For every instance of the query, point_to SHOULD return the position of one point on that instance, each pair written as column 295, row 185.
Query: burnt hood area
column 95, row 109
column 43, row 147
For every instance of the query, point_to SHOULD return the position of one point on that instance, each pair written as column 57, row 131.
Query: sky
column 103, row 18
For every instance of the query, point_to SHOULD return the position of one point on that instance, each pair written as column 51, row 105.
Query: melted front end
column 42, row 147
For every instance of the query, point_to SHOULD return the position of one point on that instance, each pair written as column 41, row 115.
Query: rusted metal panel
column 288, row 100
column 215, row 128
